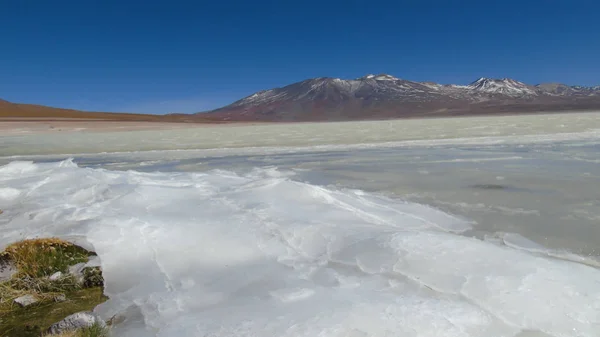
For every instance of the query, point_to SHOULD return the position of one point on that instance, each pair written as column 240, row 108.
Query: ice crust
column 222, row 254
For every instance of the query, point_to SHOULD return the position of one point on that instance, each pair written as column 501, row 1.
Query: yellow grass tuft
column 36, row 243
column 35, row 260
column 43, row 257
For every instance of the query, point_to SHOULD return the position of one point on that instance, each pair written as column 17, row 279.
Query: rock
column 60, row 298
column 56, row 276
column 26, row 300
column 76, row 321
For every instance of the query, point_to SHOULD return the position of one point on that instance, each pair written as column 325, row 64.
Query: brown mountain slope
column 28, row 111
column 16, row 111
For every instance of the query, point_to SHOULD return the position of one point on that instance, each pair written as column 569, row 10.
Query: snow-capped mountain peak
column 504, row 86
column 380, row 77
column 386, row 96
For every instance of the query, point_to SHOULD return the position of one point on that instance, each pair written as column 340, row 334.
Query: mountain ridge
column 373, row 96
column 386, row 96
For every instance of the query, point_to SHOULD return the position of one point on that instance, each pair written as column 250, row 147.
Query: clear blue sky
column 187, row 56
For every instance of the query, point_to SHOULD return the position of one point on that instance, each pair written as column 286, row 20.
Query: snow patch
column 503, row 86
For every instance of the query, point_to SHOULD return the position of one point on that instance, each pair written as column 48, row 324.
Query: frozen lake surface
column 443, row 227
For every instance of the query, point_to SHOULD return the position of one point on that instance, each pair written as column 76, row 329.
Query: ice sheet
column 294, row 137
column 261, row 254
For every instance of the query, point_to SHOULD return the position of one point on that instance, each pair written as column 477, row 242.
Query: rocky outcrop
column 80, row 320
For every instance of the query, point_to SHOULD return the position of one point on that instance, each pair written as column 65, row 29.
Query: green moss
column 92, row 277
column 35, row 260
column 93, row 331
column 33, row 320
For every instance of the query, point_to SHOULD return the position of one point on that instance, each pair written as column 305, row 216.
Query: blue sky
column 187, row 56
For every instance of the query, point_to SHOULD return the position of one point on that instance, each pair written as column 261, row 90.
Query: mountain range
column 369, row 97
column 384, row 96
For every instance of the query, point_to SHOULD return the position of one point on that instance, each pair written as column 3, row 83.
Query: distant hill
column 16, row 110
column 385, row 96
column 30, row 111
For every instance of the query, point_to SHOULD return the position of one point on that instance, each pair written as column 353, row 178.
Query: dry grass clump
column 43, row 257
column 36, row 260
column 8, row 294
column 43, row 285
column 42, row 289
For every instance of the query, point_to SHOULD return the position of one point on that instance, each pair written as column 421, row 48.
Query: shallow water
column 465, row 236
